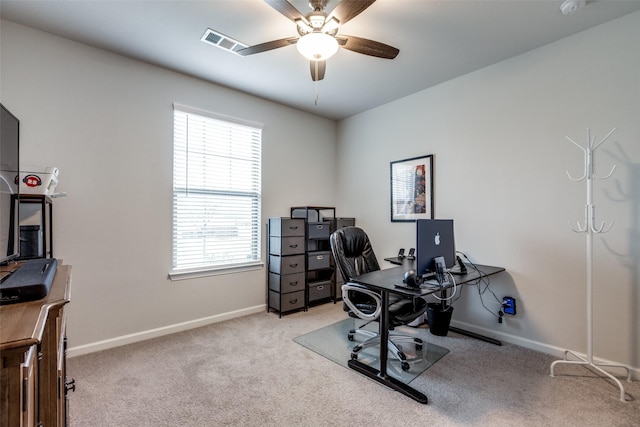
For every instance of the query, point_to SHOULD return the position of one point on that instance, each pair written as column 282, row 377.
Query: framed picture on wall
column 412, row 189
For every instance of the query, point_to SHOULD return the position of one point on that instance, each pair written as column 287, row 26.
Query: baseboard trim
column 539, row 346
column 158, row 332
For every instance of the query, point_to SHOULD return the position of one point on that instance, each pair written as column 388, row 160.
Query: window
column 216, row 192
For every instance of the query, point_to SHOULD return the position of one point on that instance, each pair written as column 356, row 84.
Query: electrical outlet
column 509, row 305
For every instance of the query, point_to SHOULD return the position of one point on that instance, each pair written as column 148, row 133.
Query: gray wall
column 498, row 139
column 498, row 136
column 107, row 123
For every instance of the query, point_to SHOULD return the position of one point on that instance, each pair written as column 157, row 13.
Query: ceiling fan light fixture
column 317, row 19
column 317, row 46
column 330, row 25
column 303, row 27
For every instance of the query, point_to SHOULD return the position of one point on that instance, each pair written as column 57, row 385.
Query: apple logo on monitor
column 437, row 239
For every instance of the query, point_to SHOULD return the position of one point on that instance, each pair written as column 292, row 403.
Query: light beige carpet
column 250, row 372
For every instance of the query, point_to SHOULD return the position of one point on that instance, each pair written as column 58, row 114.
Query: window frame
column 180, row 273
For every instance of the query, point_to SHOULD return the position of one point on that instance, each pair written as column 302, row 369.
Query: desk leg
column 383, row 331
column 381, row 375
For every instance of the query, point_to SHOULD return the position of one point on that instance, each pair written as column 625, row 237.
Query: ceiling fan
column 319, row 38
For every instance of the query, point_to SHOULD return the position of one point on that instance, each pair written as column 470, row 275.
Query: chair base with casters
column 373, row 339
column 370, row 312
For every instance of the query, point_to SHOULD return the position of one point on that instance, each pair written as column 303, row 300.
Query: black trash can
column 439, row 318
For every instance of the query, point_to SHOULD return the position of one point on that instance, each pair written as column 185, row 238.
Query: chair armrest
column 358, row 288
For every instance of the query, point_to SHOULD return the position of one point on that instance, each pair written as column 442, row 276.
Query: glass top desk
column 390, row 281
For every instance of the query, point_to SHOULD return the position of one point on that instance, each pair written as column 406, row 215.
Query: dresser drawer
column 286, row 302
column 287, row 283
column 285, row 227
column 318, row 230
column 286, row 264
column 319, row 290
column 318, row 260
column 286, row 245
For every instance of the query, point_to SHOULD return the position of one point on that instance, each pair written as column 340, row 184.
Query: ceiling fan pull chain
column 316, row 82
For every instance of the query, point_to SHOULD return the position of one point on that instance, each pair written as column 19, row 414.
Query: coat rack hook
column 603, row 139
column 610, row 173
column 579, row 228
column 602, row 228
column 584, row 150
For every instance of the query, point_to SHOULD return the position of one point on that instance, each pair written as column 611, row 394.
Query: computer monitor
column 434, row 238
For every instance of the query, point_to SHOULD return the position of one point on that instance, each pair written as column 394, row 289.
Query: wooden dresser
column 33, row 383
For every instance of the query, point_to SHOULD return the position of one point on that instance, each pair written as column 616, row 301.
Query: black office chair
column 354, row 255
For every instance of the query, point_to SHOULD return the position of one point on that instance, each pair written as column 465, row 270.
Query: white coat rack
column 589, row 227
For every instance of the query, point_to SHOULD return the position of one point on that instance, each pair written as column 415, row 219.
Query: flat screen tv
column 9, row 185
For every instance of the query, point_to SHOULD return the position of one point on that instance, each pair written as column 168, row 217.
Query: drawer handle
column 319, row 257
column 293, row 228
column 293, row 246
column 293, row 265
column 321, row 287
column 319, row 226
column 70, row 385
column 293, row 283
column 293, row 301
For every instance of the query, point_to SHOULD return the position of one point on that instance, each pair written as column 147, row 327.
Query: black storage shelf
column 319, row 223
column 286, row 282
column 301, row 270
column 36, row 241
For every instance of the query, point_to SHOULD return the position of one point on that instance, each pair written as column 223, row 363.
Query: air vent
column 223, row 42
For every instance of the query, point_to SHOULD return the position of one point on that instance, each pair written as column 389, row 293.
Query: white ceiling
column 438, row 40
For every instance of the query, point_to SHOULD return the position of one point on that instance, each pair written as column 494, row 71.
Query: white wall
column 106, row 122
column 498, row 136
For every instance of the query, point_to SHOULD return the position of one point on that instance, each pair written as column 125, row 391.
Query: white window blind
column 216, row 191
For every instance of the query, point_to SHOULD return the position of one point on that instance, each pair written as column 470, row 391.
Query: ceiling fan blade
column 317, row 70
column 285, row 8
column 346, row 10
column 367, row 47
column 263, row 47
